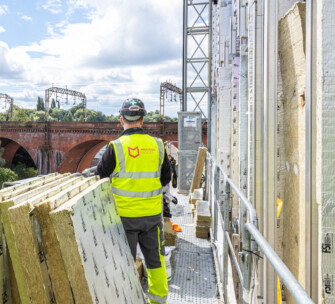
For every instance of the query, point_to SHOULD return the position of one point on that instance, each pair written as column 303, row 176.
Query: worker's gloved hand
column 174, row 200
column 166, row 209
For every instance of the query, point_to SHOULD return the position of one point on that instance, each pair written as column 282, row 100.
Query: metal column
column 270, row 141
column 311, row 209
column 197, row 57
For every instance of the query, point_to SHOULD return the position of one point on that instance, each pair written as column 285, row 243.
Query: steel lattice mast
column 8, row 100
column 56, row 90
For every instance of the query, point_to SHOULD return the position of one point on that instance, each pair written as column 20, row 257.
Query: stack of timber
column 63, row 242
column 203, row 219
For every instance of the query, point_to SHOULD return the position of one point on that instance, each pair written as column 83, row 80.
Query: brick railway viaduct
column 70, row 146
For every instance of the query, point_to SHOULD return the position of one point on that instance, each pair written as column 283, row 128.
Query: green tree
column 76, row 108
column 20, row 114
column 113, row 118
column 79, row 115
column 95, row 116
column 68, row 116
column 2, row 161
column 58, row 114
column 7, row 175
column 38, row 116
column 23, row 172
column 40, row 104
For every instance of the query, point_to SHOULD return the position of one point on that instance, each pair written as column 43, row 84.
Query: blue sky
column 108, row 49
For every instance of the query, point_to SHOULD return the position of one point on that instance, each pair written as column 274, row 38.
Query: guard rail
column 252, row 240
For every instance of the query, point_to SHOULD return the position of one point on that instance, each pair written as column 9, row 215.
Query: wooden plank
column 199, row 168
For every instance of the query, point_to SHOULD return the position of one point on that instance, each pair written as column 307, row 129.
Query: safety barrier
column 252, row 239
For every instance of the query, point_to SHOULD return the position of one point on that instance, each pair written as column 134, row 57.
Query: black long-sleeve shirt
column 107, row 163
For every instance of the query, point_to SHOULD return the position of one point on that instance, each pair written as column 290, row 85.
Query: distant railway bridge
column 69, row 146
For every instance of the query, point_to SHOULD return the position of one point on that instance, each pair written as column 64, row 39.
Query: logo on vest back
column 133, row 152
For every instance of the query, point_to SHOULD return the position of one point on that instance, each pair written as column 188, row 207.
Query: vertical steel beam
column 225, row 241
column 185, row 22
column 258, row 118
column 311, row 210
column 209, row 94
column 270, row 141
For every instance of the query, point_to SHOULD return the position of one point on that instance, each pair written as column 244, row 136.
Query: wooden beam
column 199, row 168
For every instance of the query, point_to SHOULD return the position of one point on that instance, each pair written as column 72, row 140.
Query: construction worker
column 138, row 167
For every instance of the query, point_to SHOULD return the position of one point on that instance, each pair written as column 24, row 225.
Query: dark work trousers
column 148, row 233
column 143, row 230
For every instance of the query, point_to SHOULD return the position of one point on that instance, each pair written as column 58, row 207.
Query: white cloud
column 53, row 6
column 3, row 9
column 12, row 63
column 27, row 18
column 2, row 30
column 125, row 49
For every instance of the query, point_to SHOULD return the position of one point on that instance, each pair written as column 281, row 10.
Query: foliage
column 76, row 113
column 2, row 161
column 23, row 172
column 40, row 104
column 7, row 175
column 20, row 114
column 53, row 104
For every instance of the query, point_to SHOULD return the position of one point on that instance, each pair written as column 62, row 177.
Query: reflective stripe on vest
column 136, row 175
column 137, row 194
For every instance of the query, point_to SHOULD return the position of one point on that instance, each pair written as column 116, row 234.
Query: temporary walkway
column 193, row 276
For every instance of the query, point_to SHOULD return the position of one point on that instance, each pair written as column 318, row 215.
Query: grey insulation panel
column 189, row 131
column 103, row 248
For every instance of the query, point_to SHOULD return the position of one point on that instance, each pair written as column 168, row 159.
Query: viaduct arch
column 70, row 146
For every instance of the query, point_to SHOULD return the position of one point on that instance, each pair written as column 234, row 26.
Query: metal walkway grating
column 193, row 276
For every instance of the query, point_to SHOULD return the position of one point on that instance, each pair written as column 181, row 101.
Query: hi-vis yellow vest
column 136, row 184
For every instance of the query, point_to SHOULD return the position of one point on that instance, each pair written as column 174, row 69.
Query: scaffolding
column 243, row 114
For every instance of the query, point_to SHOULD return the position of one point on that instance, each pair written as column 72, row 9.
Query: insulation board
column 8, row 286
column 95, row 250
column 35, row 271
column 292, row 67
column 9, row 199
column 325, row 146
column 48, row 244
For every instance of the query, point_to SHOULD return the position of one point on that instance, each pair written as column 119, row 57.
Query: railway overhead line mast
column 62, row 94
column 7, row 104
column 169, row 92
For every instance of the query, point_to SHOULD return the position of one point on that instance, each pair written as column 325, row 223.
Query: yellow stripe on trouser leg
column 157, row 280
